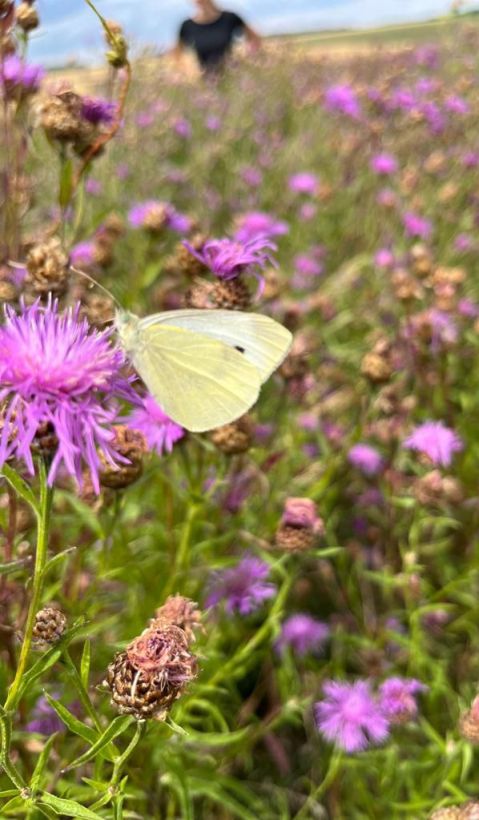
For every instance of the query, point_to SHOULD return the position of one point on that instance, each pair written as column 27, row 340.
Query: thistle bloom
column 160, row 432
column 227, row 259
column 303, row 634
column 304, row 183
column 243, row 588
column 256, row 224
column 350, row 716
column 384, row 164
column 365, row 458
column 83, row 253
column 155, row 215
column 343, row 98
column 58, row 374
column 436, row 441
column 397, row 698
column 98, row 110
column 416, row 225
column 18, row 75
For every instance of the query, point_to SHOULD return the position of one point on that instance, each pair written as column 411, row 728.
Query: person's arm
column 252, row 38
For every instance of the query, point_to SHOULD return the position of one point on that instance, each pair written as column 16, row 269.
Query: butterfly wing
column 201, row 383
column 263, row 342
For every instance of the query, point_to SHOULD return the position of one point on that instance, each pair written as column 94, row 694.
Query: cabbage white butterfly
column 205, row 368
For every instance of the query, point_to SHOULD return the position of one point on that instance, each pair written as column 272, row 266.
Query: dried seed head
column 61, row 117
column 26, row 16
column 50, row 624
column 469, row 810
column 47, row 267
column 300, row 526
column 200, row 295
column 376, row 368
column 231, row 295
column 292, row 539
column 131, row 445
column 448, row 813
column 469, row 722
column 181, row 612
column 99, row 310
column 152, row 672
column 183, row 262
column 434, row 488
column 235, row 438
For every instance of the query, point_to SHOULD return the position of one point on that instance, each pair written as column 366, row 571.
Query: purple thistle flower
column 303, row 634
column 15, row 74
column 160, row 432
column 416, row 225
column 343, row 98
column 83, row 253
column 144, row 215
column 384, row 258
column 304, row 183
column 397, row 698
column 457, row 105
column 365, row 458
column 228, row 258
column 243, row 588
column 384, row 164
column 256, row 224
column 436, row 441
column 55, row 370
column 350, row 716
column 45, row 720
column 98, row 110
column 468, row 308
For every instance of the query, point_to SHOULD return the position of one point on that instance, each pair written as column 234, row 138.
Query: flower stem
column 182, row 553
column 38, row 579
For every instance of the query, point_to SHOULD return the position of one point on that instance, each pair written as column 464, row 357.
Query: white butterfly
column 205, row 368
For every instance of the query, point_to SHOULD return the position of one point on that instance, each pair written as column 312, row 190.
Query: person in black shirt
column 211, row 34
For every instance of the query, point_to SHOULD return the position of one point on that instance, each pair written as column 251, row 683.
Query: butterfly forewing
column 263, row 341
column 201, row 383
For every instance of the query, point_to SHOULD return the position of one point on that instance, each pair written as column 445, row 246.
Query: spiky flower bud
column 47, row 267
column 181, row 612
column 152, row 672
column 235, row 438
column 50, row 624
column 183, row 262
column 26, row 16
column 131, row 445
column 232, row 294
column 300, row 527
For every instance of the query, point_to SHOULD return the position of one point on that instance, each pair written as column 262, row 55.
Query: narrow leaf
column 21, row 487
column 85, row 664
column 68, row 807
column 116, row 728
column 72, row 722
column 42, row 762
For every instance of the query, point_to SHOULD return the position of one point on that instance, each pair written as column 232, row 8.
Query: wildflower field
column 276, row 618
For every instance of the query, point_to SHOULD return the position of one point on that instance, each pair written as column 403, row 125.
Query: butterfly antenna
column 98, row 285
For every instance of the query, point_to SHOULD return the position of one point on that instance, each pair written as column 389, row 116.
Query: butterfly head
column 126, row 325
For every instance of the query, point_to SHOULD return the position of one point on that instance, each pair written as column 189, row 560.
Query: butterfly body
column 204, row 367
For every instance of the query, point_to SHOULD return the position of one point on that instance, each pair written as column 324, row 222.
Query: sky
column 70, row 31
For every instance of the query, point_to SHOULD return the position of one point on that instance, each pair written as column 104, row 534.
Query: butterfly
column 205, row 368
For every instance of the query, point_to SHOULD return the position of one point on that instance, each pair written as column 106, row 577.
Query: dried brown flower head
column 26, row 16
column 235, row 438
column 50, row 624
column 47, row 267
column 131, row 445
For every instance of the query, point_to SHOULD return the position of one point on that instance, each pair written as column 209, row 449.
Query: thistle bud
column 232, row 294
column 235, row 438
column 62, row 120
column 300, row 526
column 26, row 16
column 50, row 624
column 131, row 445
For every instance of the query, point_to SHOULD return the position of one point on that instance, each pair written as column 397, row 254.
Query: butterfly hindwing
column 200, row 382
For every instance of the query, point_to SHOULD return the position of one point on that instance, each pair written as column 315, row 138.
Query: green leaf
column 9, row 793
column 116, row 728
column 66, row 184
column 69, row 807
column 85, row 664
column 58, row 557
column 218, row 738
column 21, row 487
column 15, row 803
column 14, row 566
column 72, row 722
column 85, row 515
column 151, row 273
column 42, row 762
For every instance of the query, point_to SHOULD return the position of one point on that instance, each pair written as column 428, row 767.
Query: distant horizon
column 73, row 35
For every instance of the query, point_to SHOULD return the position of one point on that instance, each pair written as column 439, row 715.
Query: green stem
column 183, row 551
column 5, row 762
column 329, row 778
column 82, row 692
column 38, row 579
